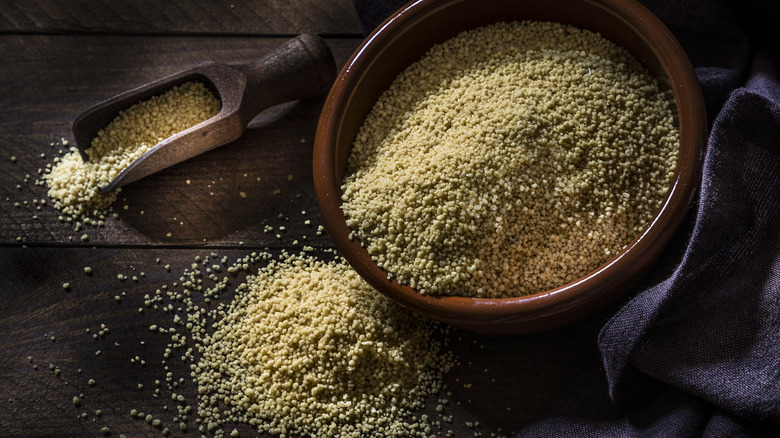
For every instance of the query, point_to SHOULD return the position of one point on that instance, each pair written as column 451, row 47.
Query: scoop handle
column 300, row 68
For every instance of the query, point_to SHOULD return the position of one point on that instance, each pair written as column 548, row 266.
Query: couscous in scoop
column 302, row 67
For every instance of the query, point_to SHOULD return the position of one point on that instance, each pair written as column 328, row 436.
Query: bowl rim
column 569, row 301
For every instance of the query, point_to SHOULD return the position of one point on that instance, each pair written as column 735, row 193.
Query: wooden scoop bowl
column 300, row 68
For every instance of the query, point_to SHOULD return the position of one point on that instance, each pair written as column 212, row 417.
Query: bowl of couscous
column 507, row 166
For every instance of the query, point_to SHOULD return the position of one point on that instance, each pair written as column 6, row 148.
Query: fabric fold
column 713, row 328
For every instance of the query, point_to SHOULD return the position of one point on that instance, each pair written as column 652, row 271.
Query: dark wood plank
column 60, row 57
column 49, row 80
column 502, row 382
column 256, row 17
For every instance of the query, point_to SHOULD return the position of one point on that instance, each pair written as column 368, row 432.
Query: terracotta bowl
column 401, row 40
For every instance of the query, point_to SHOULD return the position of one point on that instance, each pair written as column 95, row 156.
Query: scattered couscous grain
column 74, row 184
column 509, row 160
column 307, row 348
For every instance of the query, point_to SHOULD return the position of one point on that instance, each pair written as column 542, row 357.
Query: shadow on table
column 245, row 190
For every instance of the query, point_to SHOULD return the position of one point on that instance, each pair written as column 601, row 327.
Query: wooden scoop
column 300, row 68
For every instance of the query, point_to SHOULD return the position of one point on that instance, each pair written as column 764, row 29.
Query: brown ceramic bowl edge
column 545, row 309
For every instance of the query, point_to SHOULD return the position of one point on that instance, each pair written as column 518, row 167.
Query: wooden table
column 61, row 57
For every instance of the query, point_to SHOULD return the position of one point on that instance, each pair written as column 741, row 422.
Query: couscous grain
column 509, row 160
column 74, row 184
column 307, row 348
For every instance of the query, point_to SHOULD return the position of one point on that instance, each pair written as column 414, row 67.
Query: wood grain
column 502, row 382
column 61, row 57
column 253, row 17
column 51, row 79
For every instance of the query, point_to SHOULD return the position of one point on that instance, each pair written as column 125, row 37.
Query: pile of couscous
column 509, row 160
column 307, row 348
column 74, row 184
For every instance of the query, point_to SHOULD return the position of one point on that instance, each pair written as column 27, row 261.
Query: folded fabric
column 713, row 328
